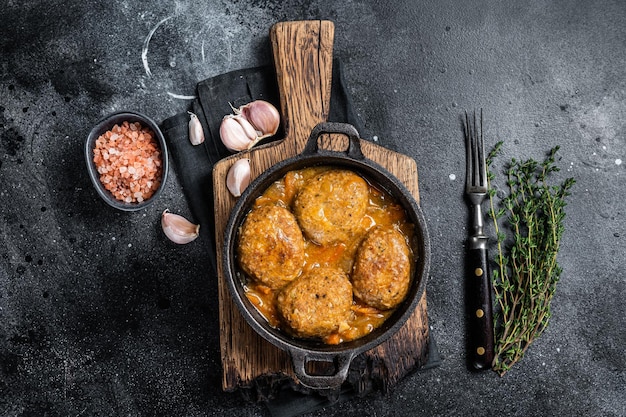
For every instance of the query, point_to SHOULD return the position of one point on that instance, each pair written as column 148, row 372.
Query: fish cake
column 271, row 246
column 330, row 206
column 382, row 269
column 317, row 303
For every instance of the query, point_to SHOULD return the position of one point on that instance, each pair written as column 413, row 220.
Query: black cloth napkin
column 290, row 403
column 194, row 165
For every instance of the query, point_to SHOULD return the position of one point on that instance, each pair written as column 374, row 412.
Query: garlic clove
column 196, row 134
column 178, row 229
column 250, row 131
column 263, row 116
column 238, row 177
column 236, row 133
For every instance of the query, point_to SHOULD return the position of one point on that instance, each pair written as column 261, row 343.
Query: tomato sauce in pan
column 382, row 209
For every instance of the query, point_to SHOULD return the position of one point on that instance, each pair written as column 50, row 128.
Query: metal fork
column 478, row 283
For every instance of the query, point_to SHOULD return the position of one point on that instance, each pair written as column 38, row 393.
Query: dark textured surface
column 100, row 315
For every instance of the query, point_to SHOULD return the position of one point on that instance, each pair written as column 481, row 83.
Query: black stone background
column 101, row 315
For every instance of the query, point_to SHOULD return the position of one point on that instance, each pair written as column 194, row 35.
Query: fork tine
column 468, row 151
column 475, row 154
column 482, row 167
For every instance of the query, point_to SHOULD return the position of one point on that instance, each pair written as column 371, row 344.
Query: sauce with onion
column 382, row 210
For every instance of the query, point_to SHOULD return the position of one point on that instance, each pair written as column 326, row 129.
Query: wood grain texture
column 303, row 59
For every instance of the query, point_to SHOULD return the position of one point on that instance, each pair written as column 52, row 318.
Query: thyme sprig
column 527, row 271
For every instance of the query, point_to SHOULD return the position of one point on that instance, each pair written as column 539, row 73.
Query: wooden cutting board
column 303, row 58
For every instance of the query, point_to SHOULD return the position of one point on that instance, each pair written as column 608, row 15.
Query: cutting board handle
column 303, row 57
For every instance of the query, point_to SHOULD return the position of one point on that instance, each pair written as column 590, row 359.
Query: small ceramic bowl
column 107, row 124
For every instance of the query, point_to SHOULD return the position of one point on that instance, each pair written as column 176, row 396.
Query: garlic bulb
column 238, row 177
column 249, row 124
column 178, row 229
column 196, row 134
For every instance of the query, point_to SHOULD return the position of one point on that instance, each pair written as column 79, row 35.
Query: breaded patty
column 271, row 246
column 382, row 269
column 317, row 303
column 331, row 205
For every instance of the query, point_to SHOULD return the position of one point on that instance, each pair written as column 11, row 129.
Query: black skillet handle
column 354, row 144
column 341, row 362
column 481, row 350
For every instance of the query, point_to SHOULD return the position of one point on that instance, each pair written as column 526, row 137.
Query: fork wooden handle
column 480, row 310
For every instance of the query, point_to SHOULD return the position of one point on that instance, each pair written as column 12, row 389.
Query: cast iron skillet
column 304, row 351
